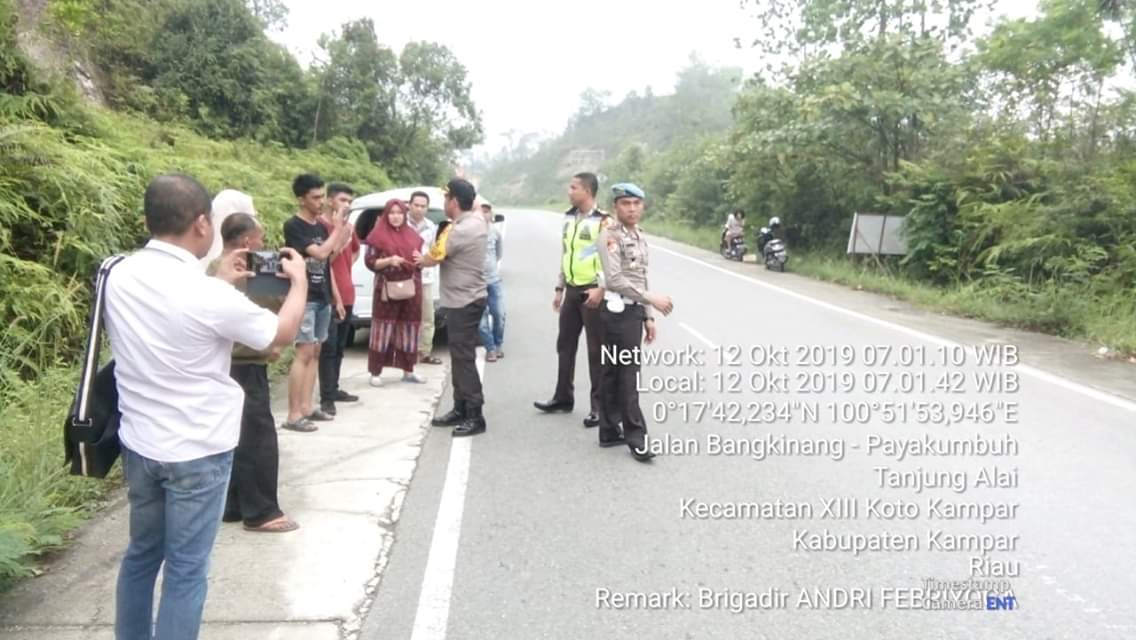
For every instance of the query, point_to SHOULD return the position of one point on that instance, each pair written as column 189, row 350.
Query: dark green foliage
column 1010, row 153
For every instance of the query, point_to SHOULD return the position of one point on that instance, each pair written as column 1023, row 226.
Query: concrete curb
column 345, row 484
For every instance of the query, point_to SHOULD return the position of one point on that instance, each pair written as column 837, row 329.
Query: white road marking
column 696, row 334
column 1069, row 385
column 433, row 614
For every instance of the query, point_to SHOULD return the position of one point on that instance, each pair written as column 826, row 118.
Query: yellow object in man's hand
column 437, row 252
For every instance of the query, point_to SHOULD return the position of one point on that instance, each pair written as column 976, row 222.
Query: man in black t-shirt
column 304, row 233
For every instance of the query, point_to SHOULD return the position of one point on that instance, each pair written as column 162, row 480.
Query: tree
column 359, row 89
column 211, row 61
column 273, row 14
column 412, row 111
column 810, row 27
column 1056, row 64
column 435, row 95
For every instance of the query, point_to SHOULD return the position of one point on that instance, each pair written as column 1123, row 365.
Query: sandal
column 302, row 425
column 279, row 525
column 430, row 360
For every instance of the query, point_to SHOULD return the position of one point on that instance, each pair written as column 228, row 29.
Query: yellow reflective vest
column 579, row 258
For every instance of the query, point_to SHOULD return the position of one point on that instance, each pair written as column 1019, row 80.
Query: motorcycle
column 736, row 248
column 772, row 249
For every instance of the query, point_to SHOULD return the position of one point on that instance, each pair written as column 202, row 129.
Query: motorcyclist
column 734, row 228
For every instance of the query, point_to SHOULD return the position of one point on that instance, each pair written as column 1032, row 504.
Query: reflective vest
column 580, row 260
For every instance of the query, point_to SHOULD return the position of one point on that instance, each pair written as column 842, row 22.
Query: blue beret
column 626, row 190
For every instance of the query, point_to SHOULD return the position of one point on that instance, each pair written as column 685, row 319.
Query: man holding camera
column 252, row 497
column 304, row 233
column 172, row 330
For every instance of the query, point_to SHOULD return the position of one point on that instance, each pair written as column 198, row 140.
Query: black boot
column 473, row 424
column 451, row 419
column 554, row 406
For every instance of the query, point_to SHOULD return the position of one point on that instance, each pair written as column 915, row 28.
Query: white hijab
column 225, row 203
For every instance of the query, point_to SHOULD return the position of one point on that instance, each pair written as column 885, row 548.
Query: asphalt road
column 551, row 529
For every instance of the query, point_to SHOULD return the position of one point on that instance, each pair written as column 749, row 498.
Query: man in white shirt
column 428, row 230
column 171, row 330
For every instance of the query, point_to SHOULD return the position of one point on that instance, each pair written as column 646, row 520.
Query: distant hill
column 600, row 137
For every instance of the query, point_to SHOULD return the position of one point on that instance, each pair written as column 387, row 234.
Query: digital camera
column 265, row 262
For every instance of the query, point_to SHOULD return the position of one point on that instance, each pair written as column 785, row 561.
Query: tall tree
column 435, row 96
column 273, row 14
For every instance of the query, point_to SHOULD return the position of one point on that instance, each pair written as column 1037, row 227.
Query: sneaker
column 320, row 416
column 412, row 377
column 376, row 381
column 491, row 356
column 343, row 396
column 328, row 408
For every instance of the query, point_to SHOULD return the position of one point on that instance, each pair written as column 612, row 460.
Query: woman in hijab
column 396, row 313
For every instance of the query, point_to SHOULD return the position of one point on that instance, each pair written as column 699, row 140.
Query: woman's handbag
column 90, row 432
column 394, row 290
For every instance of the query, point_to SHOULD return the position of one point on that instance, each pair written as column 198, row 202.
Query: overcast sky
column 529, row 60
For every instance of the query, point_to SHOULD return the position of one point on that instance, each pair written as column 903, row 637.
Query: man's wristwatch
column 559, row 289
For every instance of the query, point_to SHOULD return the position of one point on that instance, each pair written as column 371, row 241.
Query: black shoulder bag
column 90, row 433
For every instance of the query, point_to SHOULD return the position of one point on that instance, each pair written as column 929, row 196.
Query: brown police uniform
column 623, row 253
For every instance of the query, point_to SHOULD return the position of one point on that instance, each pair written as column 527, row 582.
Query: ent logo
column 993, row 603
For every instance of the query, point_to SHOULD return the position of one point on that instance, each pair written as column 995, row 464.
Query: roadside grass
column 1089, row 313
column 85, row 185
column 40, row 504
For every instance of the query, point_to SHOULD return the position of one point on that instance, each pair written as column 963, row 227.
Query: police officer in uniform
column 627, row 318
column 578, row 296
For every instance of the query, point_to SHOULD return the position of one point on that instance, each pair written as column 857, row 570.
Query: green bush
column 71, row 194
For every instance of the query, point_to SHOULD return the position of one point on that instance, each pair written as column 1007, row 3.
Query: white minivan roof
column 378, row 200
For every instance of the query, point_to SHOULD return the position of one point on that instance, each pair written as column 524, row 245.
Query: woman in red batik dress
column 395, row 320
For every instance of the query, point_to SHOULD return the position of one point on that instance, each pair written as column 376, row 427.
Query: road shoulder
column 344, row 484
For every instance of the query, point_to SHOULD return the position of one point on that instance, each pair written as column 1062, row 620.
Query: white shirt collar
column 172, row 249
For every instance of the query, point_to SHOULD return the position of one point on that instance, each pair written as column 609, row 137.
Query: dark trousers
column 619, row 393
column 575, row 317
column 331, row 356
column 256, row 461
column 464, row 338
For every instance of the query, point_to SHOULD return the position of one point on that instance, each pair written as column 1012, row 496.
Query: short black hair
column 172, row 202
column 304, row 183
column 463, row 191
column 236, row 225
column 590, row 182
column 366, row 222
column 739, row 213
column 422, row 194
column 334, row 188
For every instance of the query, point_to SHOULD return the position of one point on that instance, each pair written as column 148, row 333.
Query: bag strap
column 81, row 417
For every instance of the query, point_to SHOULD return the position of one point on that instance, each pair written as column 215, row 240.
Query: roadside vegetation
column 72, row 176
column 1010, row 151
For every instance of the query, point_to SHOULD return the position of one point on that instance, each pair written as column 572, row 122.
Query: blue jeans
column 492, row 327
column 314, row 326
column 175, row 511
